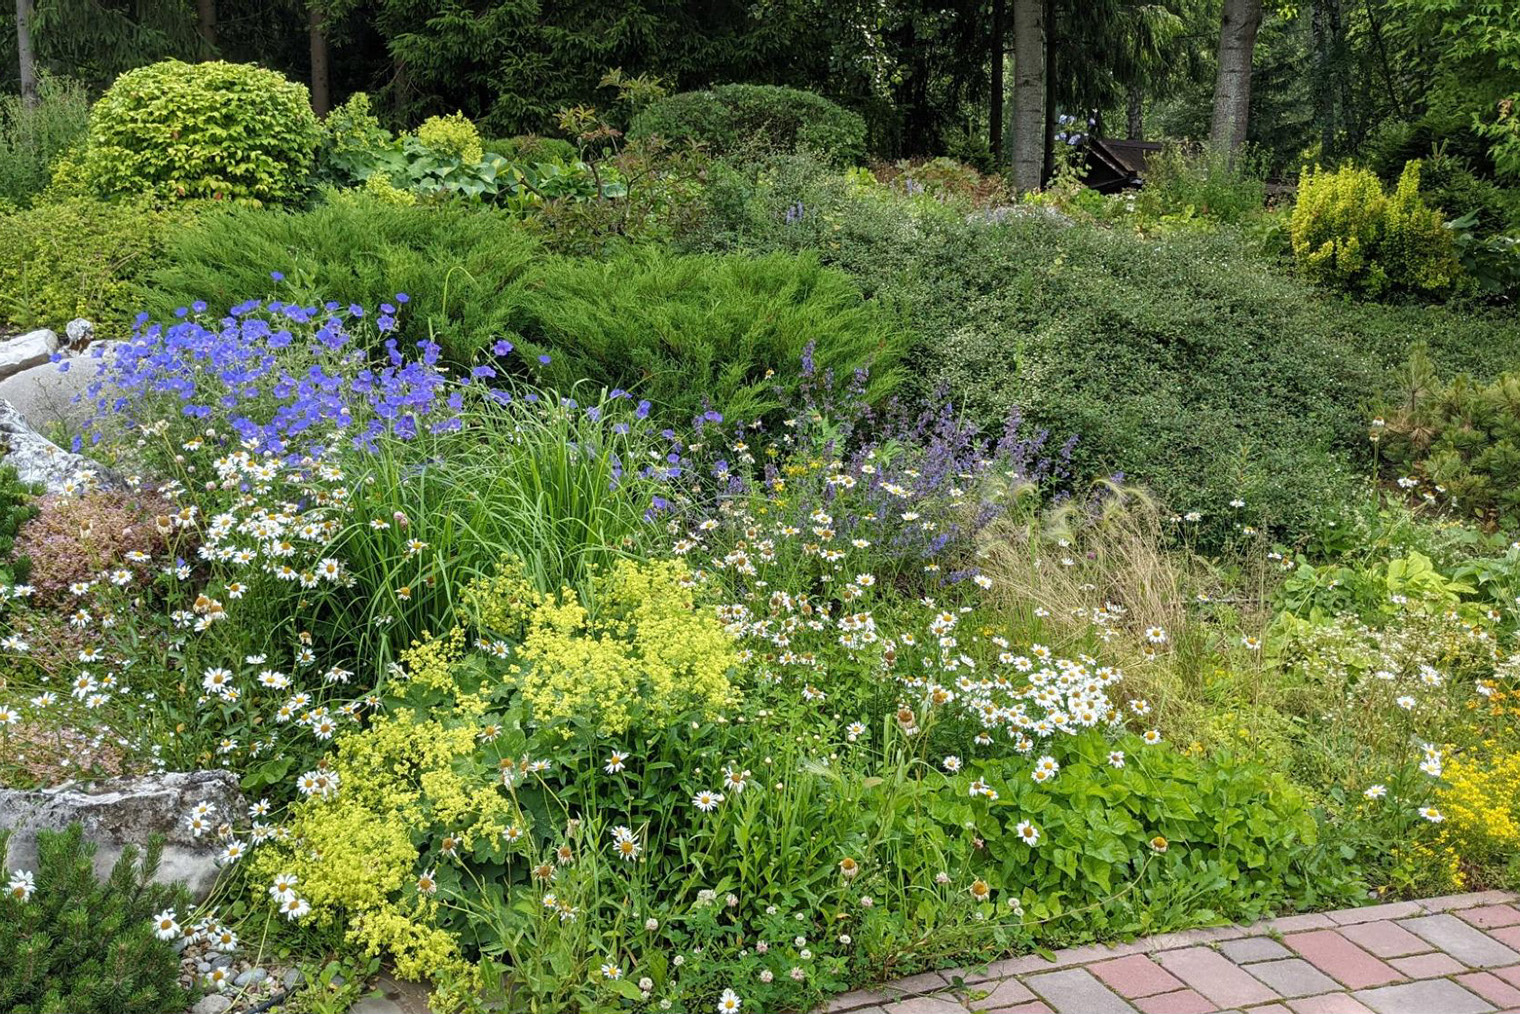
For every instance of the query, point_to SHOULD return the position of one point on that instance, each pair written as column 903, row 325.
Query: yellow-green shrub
column 454, row 136
column 79, row 258
column 639, row 646
column 219, row 130
column 1348, row 233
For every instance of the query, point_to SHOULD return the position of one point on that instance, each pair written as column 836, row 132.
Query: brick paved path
column 1453, row 955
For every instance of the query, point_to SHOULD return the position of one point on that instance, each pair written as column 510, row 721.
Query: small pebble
column 203, row 966
column 250, row 976
column 220, row 961
column 291, row 977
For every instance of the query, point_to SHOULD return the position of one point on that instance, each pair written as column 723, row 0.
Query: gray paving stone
column 1430, row 996
column 1253, row 949
column 1372, row 913
column 925, row 1005
column 855, row 1000
column 1001, row 994
column 1077, row 991
column 1450, row 902
column 1471, row 946
column 1294, row 977
column 924, row 982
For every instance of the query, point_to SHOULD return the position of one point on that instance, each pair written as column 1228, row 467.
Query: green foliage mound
column 218, row 130
column 532, row 149
column 78, row 946
column 76, row 258
column 730, row 117
column 690, row 332
column 1347, row 233
column 1185, row 361
column 460, row 265
column 686, row 332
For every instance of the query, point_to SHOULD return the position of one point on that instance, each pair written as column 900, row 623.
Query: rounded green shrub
column 731, row 116
column 219, row 130
column 453, row 136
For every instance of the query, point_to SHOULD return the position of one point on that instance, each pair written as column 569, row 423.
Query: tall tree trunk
column 1052, row 105
column 28, row 61
column 1028, row 93
column 1232, row 88
column 1325, row 31
column 321, row 94
column 995, row 110
column 205, row 24
column 1135, row 113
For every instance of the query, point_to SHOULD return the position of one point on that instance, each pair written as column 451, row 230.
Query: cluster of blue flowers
column 284, row 376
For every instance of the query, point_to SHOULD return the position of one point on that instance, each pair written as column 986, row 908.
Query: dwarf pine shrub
column 73, row 944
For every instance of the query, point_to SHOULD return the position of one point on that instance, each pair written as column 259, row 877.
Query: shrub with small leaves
column 454, row 136
column 77, row 945
column 1349, row 234
column 78, row 258
column 730, row 117
column 220, row 130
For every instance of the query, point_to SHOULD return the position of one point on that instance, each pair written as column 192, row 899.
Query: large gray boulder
column 57, row 394
column 33, row 349
column 38, row 460
column 120, row 811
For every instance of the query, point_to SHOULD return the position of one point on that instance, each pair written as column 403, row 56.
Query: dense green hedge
column 730, row 117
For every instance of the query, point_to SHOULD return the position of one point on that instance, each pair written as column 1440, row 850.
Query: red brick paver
column 1135, row 976
column 1450, row 955
column 1342, row 960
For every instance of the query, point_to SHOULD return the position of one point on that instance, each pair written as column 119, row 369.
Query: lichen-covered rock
column 33, row 349
column 37, row 459
column 80, row 333
column 128, row 810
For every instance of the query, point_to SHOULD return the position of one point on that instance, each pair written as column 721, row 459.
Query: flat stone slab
column 121, row 811
column 32, row 349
